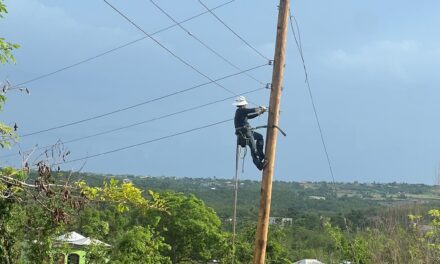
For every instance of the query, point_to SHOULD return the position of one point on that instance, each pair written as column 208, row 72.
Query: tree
column 352, row 249
column 91, row 224
column 9, row 227
column 245, row 241
column 11, row 219
column 7, row 134
column 6, row 47
column 192, row 229
column 141, row 245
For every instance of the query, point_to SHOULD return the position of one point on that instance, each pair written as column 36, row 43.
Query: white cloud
column 392, row 58
column 34, row 22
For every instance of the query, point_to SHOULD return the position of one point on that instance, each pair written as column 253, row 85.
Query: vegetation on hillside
column 345, row 225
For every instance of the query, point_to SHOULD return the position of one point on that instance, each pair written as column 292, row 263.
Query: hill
column 289, row 199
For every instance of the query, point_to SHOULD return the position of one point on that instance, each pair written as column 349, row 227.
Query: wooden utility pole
column 271, row 136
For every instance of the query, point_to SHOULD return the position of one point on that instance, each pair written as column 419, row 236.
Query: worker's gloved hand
column 263, row 109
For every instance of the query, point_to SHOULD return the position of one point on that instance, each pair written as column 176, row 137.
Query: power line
column 141, row 122
column 299, row 46
column 116, row 48
column 235, row 33
column 203, row 43
column 161, row 117
column 146, row 142
column 149, row 101
column 138, row 104
column 167, row 49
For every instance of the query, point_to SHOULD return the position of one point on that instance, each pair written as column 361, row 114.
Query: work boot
column 262, row 164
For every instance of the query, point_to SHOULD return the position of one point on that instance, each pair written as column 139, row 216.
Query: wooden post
column 271, row 137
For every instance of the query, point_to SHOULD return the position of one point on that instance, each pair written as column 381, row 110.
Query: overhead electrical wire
column 236, row 67
column 236, row 176
column 17, row 86
column 321, row 133
column 202, row 42
column 137, row 123
column 233, row 31
column 139, row 104
column 145, row 142
column 167, row 49
column 102, row 54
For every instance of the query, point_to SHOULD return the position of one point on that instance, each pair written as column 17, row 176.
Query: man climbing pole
column 245, row 134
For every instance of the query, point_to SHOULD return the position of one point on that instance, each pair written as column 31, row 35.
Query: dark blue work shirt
column 242, row 115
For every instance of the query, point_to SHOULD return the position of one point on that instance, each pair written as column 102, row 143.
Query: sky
column 372, row 68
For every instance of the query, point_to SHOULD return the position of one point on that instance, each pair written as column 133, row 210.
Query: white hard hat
column 239, row 101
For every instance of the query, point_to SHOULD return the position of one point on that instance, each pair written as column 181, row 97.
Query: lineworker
column 245, row 134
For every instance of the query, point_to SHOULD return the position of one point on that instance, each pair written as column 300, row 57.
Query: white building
column 308, row 261
column 281, row 221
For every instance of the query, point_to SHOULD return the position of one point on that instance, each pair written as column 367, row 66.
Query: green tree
column 350, row 249
column 10, row 228
column 141, row 245
column 97, row 254
column 7, row 135
column 192, row 229
column 91, row 224
column 11, row 224
column 244, row 245
column 6, row 48
column 39, row 233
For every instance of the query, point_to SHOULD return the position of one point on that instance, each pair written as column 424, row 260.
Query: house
column 280, row 221
column 126, row 180
column 314, row 197
column 76, row 243
column 308, row 261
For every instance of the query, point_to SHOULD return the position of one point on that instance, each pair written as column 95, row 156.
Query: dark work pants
column 256, row 144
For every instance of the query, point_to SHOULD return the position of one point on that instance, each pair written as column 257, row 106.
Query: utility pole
column 271, row 136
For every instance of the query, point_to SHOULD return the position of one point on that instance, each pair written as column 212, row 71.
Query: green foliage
column 390, row 242
column 276, row 252
column 11, row 219
column 2, row 9
column 7, row 135
column 350, row 249
column 26, row 233
column 433, row 236
column 40, row 231
column 9, row 175
column 180, row 228
column 6, row 47
column 92, row 224
column 192, row 229
column 97, row 254
column 6, row 51
column 312, row 242
column 184, row 230
column 123, row 195
column 141, row 245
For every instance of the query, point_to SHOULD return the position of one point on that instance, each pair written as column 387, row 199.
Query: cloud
column 35, row 24
column 392, row 58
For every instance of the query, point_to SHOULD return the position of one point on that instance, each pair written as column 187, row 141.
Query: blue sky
column 372, row 68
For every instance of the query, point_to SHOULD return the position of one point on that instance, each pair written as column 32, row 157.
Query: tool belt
column 242, row 135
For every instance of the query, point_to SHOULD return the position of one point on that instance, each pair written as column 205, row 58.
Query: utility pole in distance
column 271, row 136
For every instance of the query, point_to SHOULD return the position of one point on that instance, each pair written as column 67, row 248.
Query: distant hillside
column 288, row 198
